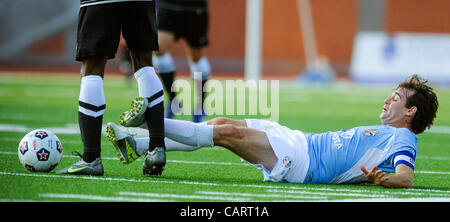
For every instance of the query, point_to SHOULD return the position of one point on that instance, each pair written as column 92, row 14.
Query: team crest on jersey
column 23, row 148
column 287, row 161
column 43, row 154
column 371, row 132
column 41, row 134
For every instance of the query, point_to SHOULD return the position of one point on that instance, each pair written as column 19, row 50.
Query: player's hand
column 374, row 176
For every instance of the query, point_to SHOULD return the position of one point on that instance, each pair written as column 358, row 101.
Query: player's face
column 394, row 111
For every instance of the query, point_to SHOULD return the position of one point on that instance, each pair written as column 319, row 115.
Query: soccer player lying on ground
column 360, row 154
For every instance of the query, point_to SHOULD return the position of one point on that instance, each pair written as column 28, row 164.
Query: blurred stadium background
column 360, row 40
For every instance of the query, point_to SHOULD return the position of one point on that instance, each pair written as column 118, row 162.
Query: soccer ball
column 40, row 151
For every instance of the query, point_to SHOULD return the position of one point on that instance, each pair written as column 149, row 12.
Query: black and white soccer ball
column 40, row 151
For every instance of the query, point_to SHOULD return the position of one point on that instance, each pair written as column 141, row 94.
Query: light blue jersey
column 335, row 157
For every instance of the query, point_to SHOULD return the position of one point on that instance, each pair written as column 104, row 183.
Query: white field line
column 182, row 196
column 434, row 157
column 412, row 191
column 22, row 200
column 84, row 177
column 216, row 196
column 359, row 193
column 217, row 163
column 209, row 163
column 97, row 197
column 276, row 188
column 169, row 161
column 326, row 193
column 431, row 172
column 259, row 195
column 68, row 129
column 439, row 129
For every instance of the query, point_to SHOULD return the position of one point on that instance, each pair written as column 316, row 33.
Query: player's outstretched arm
column 402, row 178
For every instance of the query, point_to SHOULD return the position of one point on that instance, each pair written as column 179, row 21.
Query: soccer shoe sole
column 154, row 162
column 135, row 116
column 118, row 138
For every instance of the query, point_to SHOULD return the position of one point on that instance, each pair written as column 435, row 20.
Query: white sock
column 92, row 97
column 200, row 72
column 189, row 133
column 202, row 65
column 149, row 85
column 163, row 63
column 142, row 145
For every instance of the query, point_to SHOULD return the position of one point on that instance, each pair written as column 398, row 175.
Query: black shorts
column 190, row 23
column 99, row 28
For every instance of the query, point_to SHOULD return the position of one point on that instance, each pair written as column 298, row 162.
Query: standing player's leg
column 150, row 88
column 91, row 106
column 198, row 63
column 97, row 41
column 165, row 65
column 141, row 35
column 125, row 64
column 196, row 35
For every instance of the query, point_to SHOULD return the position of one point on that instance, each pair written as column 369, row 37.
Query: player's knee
column 160, row 52
column 196, row 54
column 141, row 59
column 227, row 135
column 93, row 66
column 230, row 131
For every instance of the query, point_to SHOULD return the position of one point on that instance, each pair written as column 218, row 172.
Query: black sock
column 90, row 129
column 167, row 80
column 155, row 122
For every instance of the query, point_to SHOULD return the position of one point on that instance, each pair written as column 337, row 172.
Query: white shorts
column 291, row 149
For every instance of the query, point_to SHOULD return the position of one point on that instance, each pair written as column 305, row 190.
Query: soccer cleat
column 82, row 168
column 135, row 116
column 123, row 142
column 154, row 161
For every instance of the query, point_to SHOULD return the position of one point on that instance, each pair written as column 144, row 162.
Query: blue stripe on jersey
column 404, row 157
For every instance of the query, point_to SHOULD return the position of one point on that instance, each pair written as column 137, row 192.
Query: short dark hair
column 424, row 99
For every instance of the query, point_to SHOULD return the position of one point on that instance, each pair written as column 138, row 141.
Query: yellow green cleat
column 135, row 116
column 123, row 142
